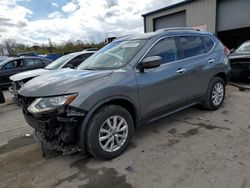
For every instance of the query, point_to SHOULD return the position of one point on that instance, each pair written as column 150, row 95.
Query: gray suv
column 132, row 81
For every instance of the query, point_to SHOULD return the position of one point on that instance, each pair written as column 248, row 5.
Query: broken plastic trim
column 58, row 130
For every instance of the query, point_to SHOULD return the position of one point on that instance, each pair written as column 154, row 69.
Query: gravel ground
column 193, row 148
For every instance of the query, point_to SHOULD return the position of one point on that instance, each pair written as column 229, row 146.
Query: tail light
column 226, row 51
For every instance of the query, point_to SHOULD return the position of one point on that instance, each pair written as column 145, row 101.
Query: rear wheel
column 109, row 132
column 215, row 94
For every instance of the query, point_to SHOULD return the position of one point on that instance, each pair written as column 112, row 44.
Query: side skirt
column 155, row 118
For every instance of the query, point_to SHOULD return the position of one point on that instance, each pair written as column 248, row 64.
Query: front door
column 162, row 88
column 10, row 69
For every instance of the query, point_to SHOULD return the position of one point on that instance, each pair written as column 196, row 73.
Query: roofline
column 168, row 7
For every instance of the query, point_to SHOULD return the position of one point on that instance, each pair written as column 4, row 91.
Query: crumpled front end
column 55, row 130
column 14, row 88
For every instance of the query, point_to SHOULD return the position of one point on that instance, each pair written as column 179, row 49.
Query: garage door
column 172, row 20
column 232, row 14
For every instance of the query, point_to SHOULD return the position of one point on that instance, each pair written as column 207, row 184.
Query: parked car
column 68, row 61
column 240, row 62
column 51, row 56
column 132, row 81
column 12, row 66
column 24, row 54
column 2, row 99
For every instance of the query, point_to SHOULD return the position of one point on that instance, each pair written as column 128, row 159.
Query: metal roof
column 168, row 7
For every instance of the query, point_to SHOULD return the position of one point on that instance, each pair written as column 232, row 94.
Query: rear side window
column 166, row 49
column 209, row 43
column 32, row 62
column 191, row 46
column 79, row 59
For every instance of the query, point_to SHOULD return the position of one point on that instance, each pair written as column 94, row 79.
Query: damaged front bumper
column 13, row 89
column 58, row 129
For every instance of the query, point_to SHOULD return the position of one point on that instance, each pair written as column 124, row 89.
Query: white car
column 71, row 60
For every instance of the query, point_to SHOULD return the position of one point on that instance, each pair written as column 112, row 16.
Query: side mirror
column 70, row 66
column 150, row 62
column 232, row 50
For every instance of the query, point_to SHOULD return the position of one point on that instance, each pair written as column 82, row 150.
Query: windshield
column 2, row 61
column 244, row 48
column 113, row 56
column 59, row 62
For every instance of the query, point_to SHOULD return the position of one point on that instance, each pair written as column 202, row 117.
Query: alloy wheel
column 217, row 94
column 113, row 133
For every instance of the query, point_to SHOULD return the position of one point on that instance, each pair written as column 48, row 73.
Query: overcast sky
column 34, row 21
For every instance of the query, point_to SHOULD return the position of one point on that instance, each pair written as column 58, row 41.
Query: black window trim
column 178, row 47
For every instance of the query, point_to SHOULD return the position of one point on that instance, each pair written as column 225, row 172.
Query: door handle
column 210, row 60
column 181, row 70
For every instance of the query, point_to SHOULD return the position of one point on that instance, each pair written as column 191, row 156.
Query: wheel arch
column 122, row 101
column 222, row 75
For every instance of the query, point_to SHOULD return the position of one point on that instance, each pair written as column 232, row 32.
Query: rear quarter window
column 191, row 46
column 209, row 43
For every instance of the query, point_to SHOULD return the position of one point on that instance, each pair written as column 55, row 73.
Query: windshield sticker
column 130, row 45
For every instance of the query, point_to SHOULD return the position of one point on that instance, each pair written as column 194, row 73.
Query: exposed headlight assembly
column 50, row 103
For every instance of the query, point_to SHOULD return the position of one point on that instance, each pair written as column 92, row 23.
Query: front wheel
column 215, row 94
column 109, row 132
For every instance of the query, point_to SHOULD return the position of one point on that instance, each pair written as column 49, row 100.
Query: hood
column 27, row 74
column 58, row 82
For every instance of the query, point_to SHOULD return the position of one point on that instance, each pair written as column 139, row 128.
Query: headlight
column 50, row 103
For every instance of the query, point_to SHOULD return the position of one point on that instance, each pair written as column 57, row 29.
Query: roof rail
column 178, row 29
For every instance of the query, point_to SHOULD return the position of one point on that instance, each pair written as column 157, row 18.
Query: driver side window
column 13, row 64
column 166, row 49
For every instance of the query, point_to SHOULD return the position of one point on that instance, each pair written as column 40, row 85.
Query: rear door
column 32, row 63
column 196, row 63
column 162, row 89
column 9, row 69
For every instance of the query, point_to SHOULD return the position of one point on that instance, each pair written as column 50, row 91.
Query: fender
column 85, row 122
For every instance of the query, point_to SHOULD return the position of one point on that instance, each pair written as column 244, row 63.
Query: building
column 228, row 19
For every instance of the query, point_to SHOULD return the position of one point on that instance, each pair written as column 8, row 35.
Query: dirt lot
column 193, row 148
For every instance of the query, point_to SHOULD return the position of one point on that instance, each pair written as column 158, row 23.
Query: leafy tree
column 11, row 48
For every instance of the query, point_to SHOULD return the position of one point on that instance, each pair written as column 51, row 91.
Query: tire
column 2, row 100
column 209, row 103
column 99, row 128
